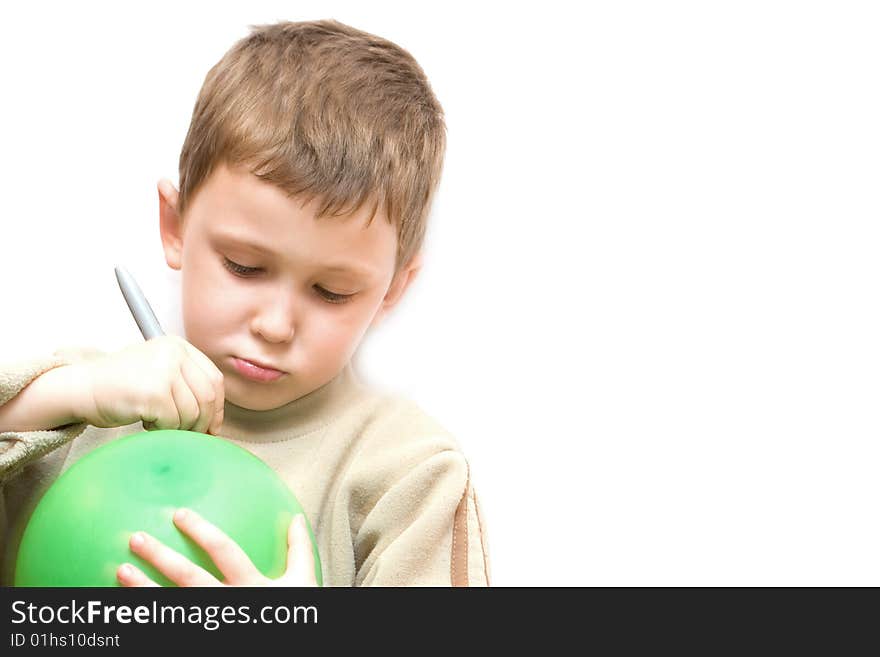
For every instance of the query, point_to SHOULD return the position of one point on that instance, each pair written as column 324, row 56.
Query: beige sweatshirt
column 386, row 489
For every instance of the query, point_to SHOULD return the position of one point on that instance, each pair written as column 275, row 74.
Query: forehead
column 235, row 206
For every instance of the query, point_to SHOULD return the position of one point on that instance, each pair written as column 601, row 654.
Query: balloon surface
column 78, row 534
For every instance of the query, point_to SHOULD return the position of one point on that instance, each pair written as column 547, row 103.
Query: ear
column 401, row 281
column 170, row 225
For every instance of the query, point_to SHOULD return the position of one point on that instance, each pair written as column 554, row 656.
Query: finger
column 215, row 376
column 218, row 422
column 226, row 554
column 170, row 563
column 129, row 575
column 161, row 412
column 300, row 558
column 184, row 401
column 203, row 393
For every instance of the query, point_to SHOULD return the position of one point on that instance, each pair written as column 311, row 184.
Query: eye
column 332, row 297
column 237, row 269
column 247, row 272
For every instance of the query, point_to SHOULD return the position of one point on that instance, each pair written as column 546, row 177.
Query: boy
column 306, row 178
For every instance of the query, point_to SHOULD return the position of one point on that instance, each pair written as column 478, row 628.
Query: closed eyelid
column 334, row 297
column 243, row 271
column 237, row 268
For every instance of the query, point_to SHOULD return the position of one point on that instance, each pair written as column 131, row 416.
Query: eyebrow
column 256, row 246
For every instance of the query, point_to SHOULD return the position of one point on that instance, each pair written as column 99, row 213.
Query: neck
column 296, row 418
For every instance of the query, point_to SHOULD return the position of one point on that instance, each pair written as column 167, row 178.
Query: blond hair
column 325, row 111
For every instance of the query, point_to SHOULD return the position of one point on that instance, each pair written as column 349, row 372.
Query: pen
column 137, row 304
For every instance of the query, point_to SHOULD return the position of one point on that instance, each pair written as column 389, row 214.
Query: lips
column 256, row 370
column 259, row 363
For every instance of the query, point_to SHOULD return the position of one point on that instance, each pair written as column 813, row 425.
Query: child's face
column 286, row 313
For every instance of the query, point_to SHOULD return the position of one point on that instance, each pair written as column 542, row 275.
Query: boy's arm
column 426, row 529
column 43, row 403
column 34, row 414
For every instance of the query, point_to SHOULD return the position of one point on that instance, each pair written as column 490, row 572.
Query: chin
column 257, row 402
column 252, row 400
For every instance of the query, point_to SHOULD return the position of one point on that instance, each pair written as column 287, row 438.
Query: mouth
column 256, row 371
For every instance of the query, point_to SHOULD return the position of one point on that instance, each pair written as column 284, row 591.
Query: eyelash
column 244, row 272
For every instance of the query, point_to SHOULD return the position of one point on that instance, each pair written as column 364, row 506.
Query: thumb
column 300, row 559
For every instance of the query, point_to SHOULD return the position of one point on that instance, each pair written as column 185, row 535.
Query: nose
column 276, row 317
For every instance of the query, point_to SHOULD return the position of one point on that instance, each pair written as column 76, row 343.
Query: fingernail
column 125, row 571
column 137, row 540
column 181, row 514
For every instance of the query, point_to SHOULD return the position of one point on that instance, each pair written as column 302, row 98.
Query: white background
column 649, row 311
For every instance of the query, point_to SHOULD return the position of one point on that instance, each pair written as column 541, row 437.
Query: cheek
column 206, row 302
column 340, row 331
column 208, row 312
column 199, row 318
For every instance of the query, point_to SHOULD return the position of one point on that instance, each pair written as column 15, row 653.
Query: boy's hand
column 229, row 558
column 165, row 382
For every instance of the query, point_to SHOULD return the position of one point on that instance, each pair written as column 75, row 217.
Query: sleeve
column 18, row 448
column 426, row 527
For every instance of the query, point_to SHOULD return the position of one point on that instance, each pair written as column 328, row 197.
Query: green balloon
column 78, row 534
